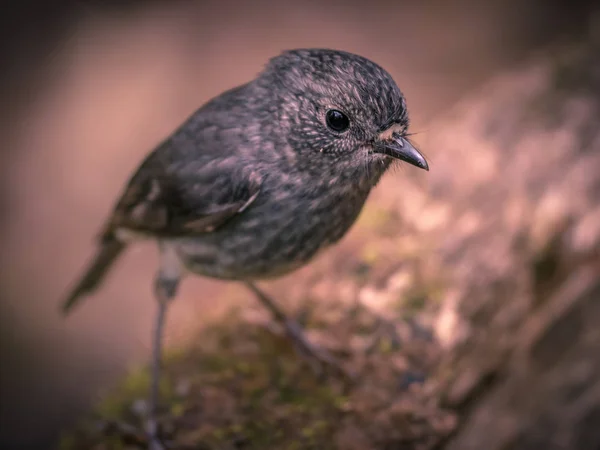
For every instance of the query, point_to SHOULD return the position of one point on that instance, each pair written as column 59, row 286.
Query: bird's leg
column 313, row 353
column 165, row 287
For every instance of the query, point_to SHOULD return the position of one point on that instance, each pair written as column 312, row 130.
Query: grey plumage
column 258, row 180
column 255, row 183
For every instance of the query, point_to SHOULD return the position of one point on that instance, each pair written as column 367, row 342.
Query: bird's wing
column 170, row 196
column 164, row 201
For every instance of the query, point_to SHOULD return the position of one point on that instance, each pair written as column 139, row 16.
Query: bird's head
column 341, row 108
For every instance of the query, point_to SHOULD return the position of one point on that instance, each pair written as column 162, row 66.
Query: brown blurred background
column 88, row 87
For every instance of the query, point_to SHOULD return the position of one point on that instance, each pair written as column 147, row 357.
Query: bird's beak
column 398, row 147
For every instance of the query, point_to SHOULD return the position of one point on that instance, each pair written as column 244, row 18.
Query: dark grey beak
column 399, row 148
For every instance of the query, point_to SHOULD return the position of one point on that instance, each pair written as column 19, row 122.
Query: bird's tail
column 109, row 251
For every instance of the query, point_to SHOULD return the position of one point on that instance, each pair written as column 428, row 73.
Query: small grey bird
column 260, row 179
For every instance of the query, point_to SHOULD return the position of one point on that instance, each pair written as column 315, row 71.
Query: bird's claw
column 317, row 357
column 154, row 443
column 134, row 436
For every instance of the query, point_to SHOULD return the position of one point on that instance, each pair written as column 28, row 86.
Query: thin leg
column 165, row 288
column 156, row 357
column 311, row 352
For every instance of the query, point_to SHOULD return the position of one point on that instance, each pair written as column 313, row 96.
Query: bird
column 257, row 181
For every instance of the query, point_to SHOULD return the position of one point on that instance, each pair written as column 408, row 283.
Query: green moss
column 385, row 345
column 369, row 254
column 135, row 386
column 420, row 297
column 67, row 441
column 416, row 301
column 259, row 396
column 373, row 218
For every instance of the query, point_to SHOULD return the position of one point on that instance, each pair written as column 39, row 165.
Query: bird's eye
column 337, row 120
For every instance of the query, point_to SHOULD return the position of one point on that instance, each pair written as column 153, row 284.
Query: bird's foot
column 135, row 436
column 154, row 442
column 316, row 356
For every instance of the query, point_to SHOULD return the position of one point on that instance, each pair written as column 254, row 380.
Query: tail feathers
column 110, row 249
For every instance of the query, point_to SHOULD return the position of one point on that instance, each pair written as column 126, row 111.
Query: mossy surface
column 241, row 385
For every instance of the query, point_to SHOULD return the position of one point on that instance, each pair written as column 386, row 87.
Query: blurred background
column 89, row 87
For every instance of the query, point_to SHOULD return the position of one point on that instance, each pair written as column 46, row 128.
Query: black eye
column 337, row 120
